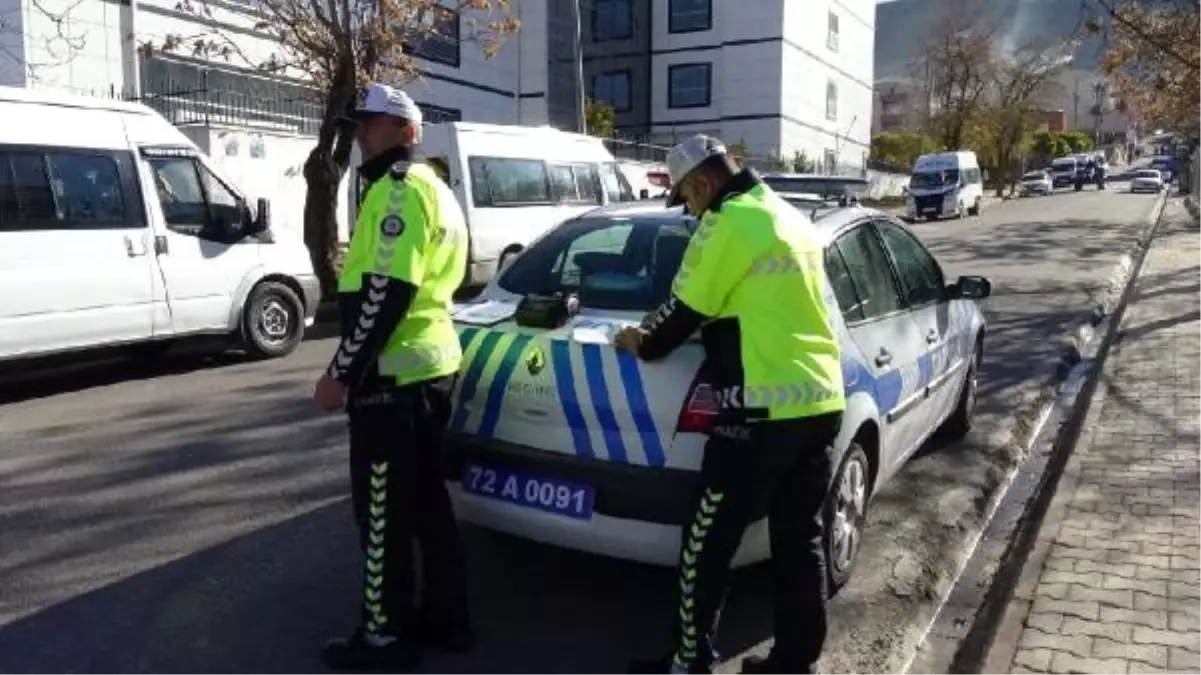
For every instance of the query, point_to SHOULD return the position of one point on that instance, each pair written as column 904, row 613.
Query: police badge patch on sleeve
column 392, row 225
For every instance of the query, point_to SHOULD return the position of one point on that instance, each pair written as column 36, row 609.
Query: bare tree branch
column 62, row 45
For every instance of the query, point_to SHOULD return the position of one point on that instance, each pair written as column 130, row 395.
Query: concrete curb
column 977, row 614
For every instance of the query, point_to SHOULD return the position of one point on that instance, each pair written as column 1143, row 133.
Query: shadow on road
column 265, row 602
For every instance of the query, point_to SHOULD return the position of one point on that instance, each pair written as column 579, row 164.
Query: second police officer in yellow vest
column 752, row 281
column 395, row 368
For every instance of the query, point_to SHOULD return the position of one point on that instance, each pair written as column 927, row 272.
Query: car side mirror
column 972, row 288
column 262, row 217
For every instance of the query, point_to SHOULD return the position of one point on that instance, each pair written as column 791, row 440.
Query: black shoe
column 362, row 653
column 664, row 664
column 768, row 664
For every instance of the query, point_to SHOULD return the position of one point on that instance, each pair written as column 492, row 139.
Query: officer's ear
column 408, row 133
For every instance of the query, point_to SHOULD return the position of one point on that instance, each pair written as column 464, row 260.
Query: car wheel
column 845, row 512
column 960, row 422
column 975, row 210
column 272, row 320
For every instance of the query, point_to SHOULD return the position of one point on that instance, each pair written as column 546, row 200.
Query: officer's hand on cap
column 629, row 339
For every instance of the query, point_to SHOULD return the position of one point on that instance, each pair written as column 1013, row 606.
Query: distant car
column 1165, row 166
column 1147, row 180
column 1036, row 183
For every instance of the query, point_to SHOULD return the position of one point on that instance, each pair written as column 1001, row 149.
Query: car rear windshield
column 1064, row 163
column 612, row 262
column 1147, row 174
column 1035, row 175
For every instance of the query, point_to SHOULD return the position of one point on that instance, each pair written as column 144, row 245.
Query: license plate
column 561, row 497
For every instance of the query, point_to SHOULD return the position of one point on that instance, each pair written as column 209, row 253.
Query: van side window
column 574, row 183
column 503, row 181
column 62, row 190
column 616, row 187
column 195, row 202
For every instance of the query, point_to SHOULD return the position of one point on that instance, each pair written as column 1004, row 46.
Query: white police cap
column 380, row 99
column 685, row 157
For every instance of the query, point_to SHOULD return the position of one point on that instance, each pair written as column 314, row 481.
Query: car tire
column 959, row 424
column 272, row 320
column 975, row 210
column 845, row 515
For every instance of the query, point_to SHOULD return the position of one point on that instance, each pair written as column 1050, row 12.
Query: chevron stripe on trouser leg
column 380, row 428
column 731, row 493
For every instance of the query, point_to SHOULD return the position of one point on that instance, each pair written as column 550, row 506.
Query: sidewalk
column 1119, row 591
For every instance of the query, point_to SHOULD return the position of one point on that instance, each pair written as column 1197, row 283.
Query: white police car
column 558, row 437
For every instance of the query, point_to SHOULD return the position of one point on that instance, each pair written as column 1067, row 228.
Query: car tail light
column 700, row 410
column 658, row 179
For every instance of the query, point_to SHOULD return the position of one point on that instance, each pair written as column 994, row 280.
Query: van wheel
column 975, row 209
column 272, row 320
column 845, row 514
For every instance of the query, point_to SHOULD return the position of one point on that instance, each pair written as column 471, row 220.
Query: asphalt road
column 190, row 517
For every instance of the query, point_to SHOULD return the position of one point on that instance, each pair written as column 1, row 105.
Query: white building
column 780, row 75
column 260, row 126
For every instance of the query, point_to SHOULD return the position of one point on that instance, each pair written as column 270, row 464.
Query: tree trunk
column 323, row 172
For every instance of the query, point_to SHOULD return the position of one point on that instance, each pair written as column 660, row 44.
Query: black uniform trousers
column 782, row 468
column 400, row 498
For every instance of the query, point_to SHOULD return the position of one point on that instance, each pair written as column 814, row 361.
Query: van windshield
column 1063, row 164
column 934, row 179
column 612, row 262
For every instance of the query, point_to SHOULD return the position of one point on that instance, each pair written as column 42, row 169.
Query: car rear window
column 612, row 262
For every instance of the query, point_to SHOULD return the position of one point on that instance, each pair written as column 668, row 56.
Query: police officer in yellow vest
column 752, row 282
column 395, row 368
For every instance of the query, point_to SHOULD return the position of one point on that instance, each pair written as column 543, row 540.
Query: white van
column 1063, row 170
column 515, row 182
column 116, row 229
column 945, row 184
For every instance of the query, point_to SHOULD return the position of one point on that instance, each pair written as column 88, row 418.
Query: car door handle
column 883, row 358
column 932, row 337
column 134, row 249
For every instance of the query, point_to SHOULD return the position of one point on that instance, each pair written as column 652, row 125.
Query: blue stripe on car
column 560, row 358
column 496, row 391
column 594, row 371
column 631, row 378
column 472, row 379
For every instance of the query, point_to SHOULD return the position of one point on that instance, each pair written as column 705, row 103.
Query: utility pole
column 581, row 99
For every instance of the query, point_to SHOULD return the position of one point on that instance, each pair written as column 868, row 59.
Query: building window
column 612, row 20
column 433, row 114
column 831, row 101
column 436, row 37
column 832, row 32
column 689, row 85
column 613, row 89
column 689, row 16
